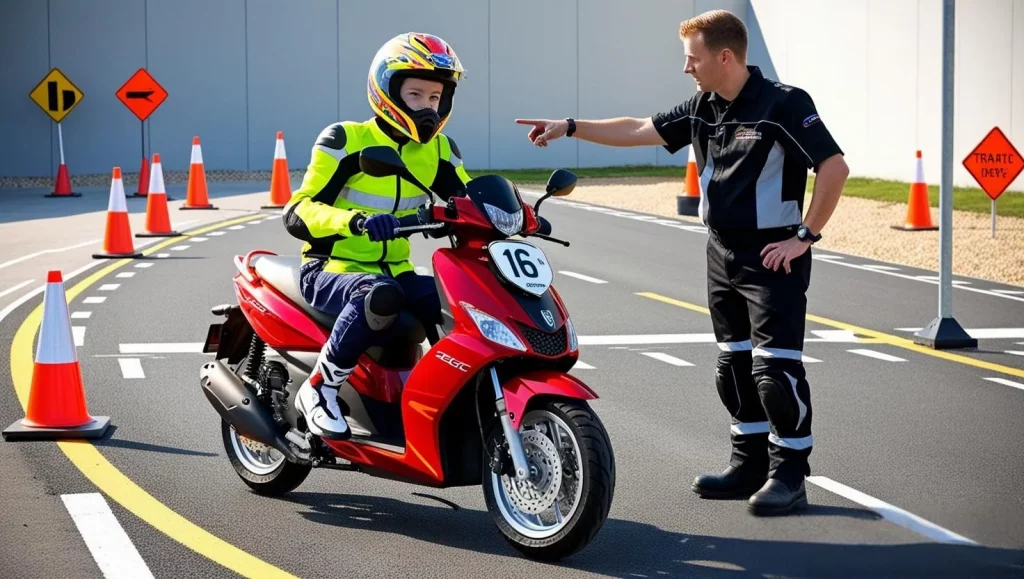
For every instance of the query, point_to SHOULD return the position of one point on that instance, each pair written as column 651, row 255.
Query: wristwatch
column 803, row 233
column 572, row 127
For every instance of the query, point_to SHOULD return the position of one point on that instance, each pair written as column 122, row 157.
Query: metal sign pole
column 944, row 331
column 993, row 219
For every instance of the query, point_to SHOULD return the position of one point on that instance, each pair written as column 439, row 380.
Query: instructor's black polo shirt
column 752, row 154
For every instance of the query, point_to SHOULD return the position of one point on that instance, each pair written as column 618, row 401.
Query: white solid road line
column 984, row 333
column 1010, row 292
column 662, row 357
column 79, row 333
column 11, row 290
column 809, row 360
column 1015, row 352
column 45, row 251
column 131, row 368
column 882, row 267
column 1006, row 382
column 582, row 277
column 109, row 544
column 81, row 315
column 877, row 355
column 39, row 289
column 582, row 366
column 94, row 300
column 164, row 348
column 891, row 513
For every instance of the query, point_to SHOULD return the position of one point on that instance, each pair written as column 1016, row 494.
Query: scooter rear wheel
column 265, row 470
column 563, row 505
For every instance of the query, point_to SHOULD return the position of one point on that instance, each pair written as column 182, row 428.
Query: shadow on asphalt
column 108, row 441
column 632, row 549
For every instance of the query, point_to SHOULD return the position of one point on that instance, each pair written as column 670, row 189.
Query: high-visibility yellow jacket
column 334, row 192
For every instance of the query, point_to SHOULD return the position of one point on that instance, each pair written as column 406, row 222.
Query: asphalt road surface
column 918, row 468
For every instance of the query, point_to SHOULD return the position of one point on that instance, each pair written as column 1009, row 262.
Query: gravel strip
column 858, row 227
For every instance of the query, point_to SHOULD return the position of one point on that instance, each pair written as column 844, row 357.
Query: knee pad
column 734, row 382
column 786, row 398
column 382, row 305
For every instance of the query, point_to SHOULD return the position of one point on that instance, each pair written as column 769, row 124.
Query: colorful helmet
column 417, row 55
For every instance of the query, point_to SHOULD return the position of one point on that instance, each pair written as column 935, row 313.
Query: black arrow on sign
column 139, row 94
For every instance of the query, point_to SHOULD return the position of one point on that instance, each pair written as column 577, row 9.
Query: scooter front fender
column 519, row 390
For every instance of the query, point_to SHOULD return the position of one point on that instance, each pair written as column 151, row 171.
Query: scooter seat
column 282, row 273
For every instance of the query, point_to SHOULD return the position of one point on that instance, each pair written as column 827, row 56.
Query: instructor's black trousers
column 758, row 319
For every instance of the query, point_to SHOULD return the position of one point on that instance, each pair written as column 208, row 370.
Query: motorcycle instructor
column 754, row 140
column 353, row 264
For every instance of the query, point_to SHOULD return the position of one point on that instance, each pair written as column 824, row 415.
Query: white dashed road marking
column 143, row 265
column 109, row 287
column 662, row 357
column 198, row 239
column 877, row 355
column 215, row 233
column 164, row 348
column 891, row 513
column 582, row 366
column 131, row 368
column 81, row 315
column 95, row 300
column 109, row 544
column 79, row 333
column 180, row 247
column 1006, row 382
column 236, row 227
column 809, row 360
column 582, row 277
column 127, row 274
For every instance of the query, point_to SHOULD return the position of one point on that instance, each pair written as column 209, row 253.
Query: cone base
column 168, row 234
column 52, row 195
column 116, row 255
column 137, row 194
column 944, row 334
column 272, row 207
column 916, row 227
column 21, row 431
column 185, row 207
column 686, row 205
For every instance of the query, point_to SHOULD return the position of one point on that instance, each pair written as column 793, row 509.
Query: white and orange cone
column 197, row 197
column 280, row 182
column 117, row 240
column 56, row 403
column 689, row 202
column 919, row 214
column 158, row 220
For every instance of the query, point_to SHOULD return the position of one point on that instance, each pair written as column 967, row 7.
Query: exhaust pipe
column 236, row 404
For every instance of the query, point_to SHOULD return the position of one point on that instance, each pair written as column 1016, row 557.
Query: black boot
column 778, row 498
column 734, row 482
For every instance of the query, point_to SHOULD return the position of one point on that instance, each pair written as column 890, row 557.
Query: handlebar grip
column 409, row 221
column 545, row 226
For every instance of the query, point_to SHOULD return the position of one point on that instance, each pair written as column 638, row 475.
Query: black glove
column 381, row 227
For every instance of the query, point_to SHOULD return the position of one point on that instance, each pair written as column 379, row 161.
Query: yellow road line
column 105, row 475
column 872, row 336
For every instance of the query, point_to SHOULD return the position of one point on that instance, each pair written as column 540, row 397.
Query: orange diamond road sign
column 142, row 94
column 994, row 163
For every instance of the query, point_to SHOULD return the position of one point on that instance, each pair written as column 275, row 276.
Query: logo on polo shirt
column 811, row 120
column 745, row 134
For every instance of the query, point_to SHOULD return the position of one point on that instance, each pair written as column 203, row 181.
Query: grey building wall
column 240, row 70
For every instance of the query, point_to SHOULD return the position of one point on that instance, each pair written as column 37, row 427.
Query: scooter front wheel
column 263, row 468
column 561, row 506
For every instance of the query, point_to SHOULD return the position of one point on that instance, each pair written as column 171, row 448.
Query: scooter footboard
column 519, row 390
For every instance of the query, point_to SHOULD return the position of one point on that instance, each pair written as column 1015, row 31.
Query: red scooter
column 484, row 398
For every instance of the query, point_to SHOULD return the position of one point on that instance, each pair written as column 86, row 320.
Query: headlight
column 507, row 223
column 493, row 330
column 573, row 344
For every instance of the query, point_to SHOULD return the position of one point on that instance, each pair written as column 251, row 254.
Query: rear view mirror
column 561, row 183
column 381, row 161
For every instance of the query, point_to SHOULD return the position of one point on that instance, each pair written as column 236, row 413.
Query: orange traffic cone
column 689, row 202
column 56, row 403
column 919, row 213
column 117, row 242
column 198, row 197
column 143, row 189
column 280, row 182
column 158, row 220
column 62, row 186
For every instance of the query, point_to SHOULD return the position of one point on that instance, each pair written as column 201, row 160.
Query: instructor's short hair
column 720, row 29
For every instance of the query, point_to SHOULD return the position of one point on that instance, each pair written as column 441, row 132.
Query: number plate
column 523, row 265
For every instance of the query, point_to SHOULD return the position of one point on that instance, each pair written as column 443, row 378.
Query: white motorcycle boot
column 317, row 400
